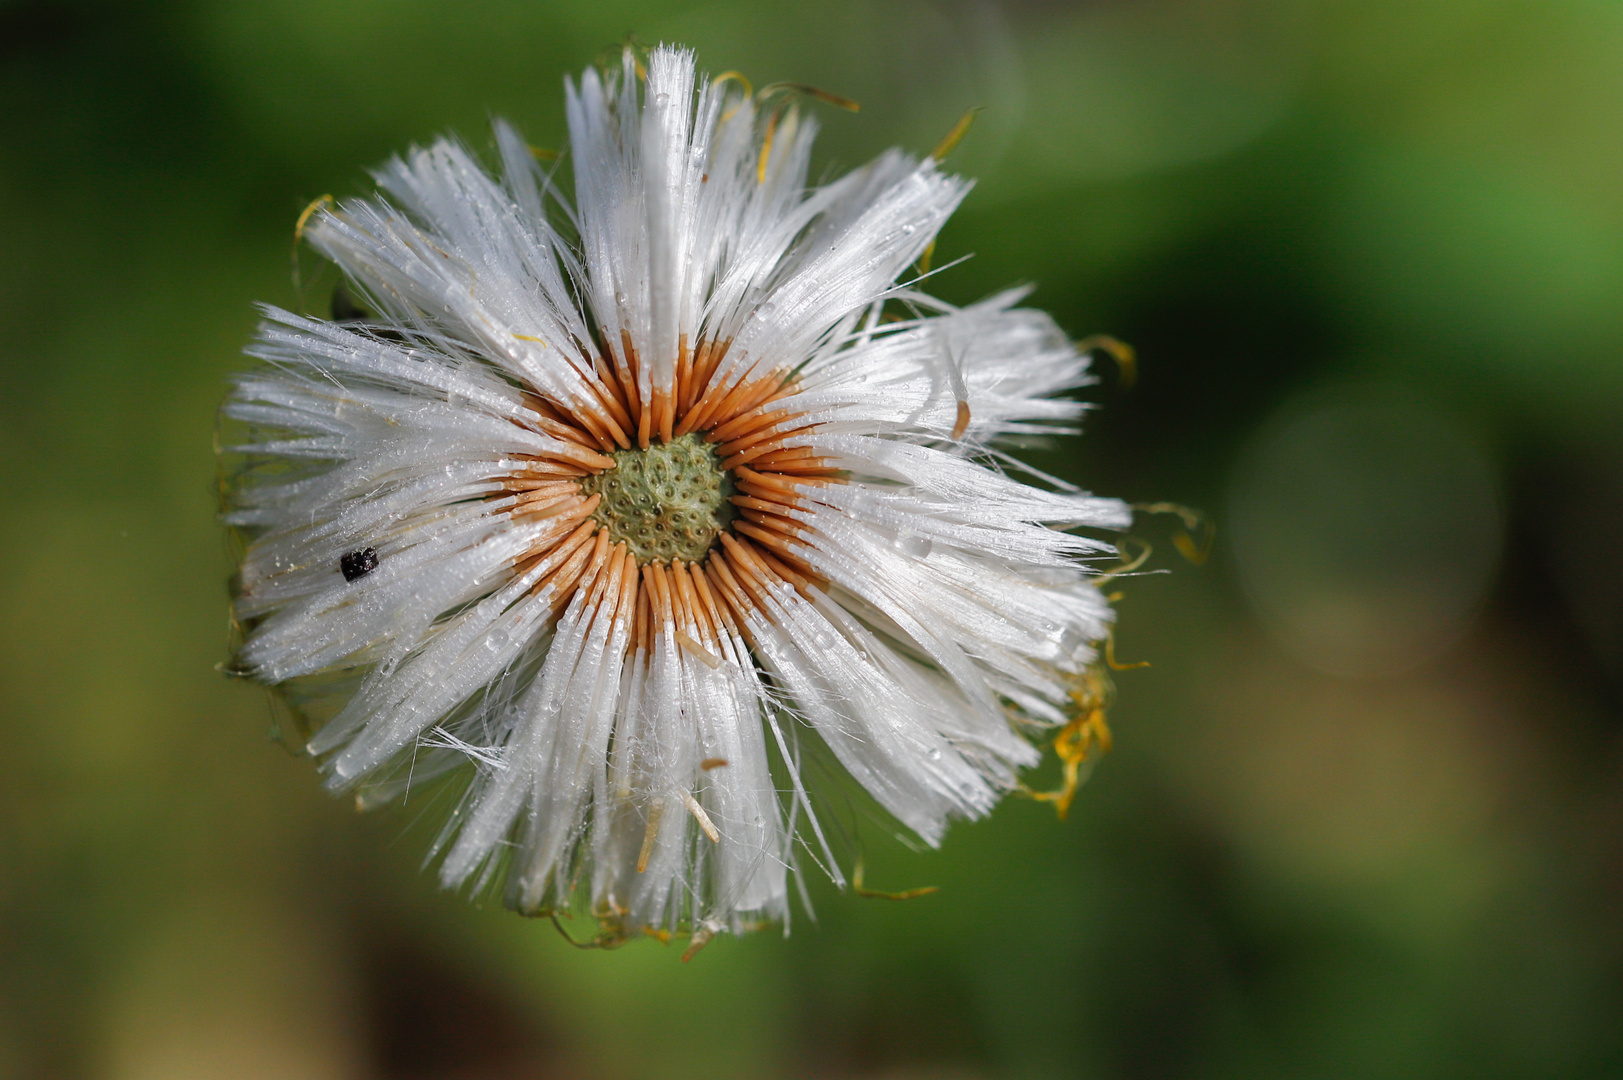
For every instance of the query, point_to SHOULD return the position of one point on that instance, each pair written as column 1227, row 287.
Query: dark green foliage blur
column 1364, row 817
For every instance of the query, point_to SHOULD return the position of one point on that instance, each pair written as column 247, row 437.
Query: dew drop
column 913, row 544
column 934, row 753
column 909, row 229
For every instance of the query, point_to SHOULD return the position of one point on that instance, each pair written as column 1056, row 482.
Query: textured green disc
column 667, row 502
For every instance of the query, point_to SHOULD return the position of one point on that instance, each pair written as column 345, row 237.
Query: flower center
column 667, row 502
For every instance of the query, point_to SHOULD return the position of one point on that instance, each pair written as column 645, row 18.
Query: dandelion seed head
column 614, row 513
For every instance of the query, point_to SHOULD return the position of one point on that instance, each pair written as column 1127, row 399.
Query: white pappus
column 622, row 503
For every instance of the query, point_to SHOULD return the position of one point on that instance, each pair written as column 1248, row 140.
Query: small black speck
column 356, row 564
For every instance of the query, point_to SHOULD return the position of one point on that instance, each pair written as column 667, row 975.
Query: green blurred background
column 1364, row 817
